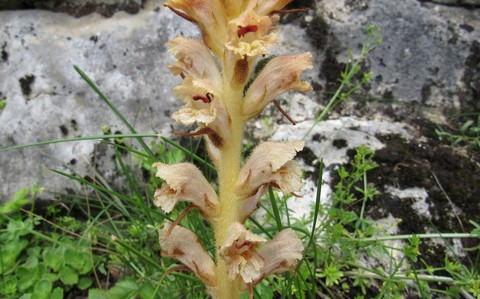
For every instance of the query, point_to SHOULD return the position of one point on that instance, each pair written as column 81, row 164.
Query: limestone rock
column 428, row 58
column 46, row 99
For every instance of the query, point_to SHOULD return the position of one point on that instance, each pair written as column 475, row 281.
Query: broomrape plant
column 219, row 100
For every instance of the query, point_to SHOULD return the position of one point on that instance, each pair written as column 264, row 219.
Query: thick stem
column 229, row 169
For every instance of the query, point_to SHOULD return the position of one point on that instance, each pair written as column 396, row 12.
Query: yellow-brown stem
column 229, row 169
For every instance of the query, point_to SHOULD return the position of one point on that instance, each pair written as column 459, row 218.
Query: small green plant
column 3, row 102
column 342, row 224
column 468, row 134
column 346, row 236
column 349, row 81
column 34, row 264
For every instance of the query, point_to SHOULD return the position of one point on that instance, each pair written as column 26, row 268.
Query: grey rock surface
column 456, row 2
column 46, row 99
column 429, row 56
column 430, row 59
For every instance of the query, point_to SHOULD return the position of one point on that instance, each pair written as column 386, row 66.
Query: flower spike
column 222, row 89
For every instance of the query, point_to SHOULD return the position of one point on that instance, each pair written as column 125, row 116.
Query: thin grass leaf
column 126, row 148
column 191, row 154
column 134, row 186
column 118, row 198
column 113, row 108
column 136, row 252
column 317, row 202
column 98, row 137
column 276, row 212
column 260, row 227
column 131, row 179
column 118, row 204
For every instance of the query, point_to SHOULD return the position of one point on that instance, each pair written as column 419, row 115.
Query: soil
column 450, row 176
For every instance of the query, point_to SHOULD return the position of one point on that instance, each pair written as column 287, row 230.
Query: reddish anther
column 244, row 30
column 206, row 99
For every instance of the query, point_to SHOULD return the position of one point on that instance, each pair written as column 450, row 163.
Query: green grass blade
column 118, row 203
column 317, row 203
column 191, row 154
column 311, row 242
column 137, row 252
column 260, row 227
column 97, row 137
column 127, row 148
column 113, row 108
column 276, row 212
column 131, row 179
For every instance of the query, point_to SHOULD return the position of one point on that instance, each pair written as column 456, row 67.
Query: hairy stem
column 229, row 169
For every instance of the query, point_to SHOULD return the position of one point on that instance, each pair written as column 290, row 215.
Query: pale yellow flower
column 268, row 7
column 185, row 182
column 263, row 7
column 251, row 257
column 183, row 245
column 270, row 164
column 193, row 58
column 281, row 74
column 240, row 254
column 204, row 106
column 282, row 253
column 250, row 35
column 208, row 15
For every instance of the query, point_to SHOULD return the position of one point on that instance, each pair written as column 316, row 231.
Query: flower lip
column 250, row 35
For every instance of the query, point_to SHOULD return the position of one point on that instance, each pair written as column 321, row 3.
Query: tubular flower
column 193, row 58
column 270, row 164
column 281, row 74
column 185, row 182
column 282, row 253
column 251, row 257
column 183, row 245
column 204, row 106
column 208, row 15
column 240, row 253
column 250, row 35
column 267, row 7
